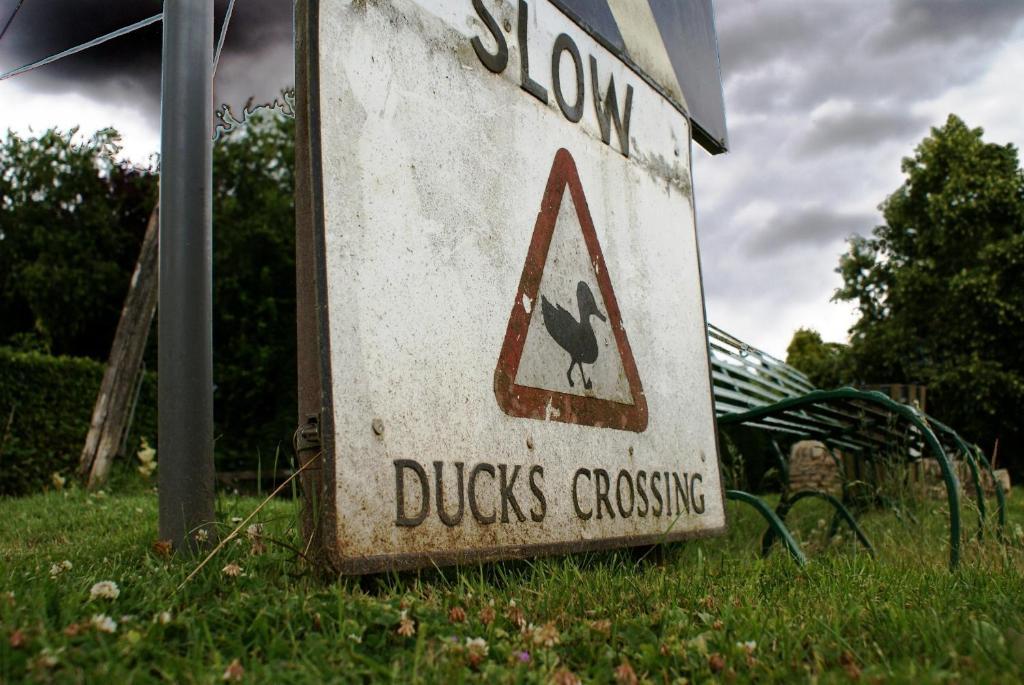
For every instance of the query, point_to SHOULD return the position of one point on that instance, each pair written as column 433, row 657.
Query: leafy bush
column 71, row 222
column 254, row 293
column 45, row 408
column 71, row 225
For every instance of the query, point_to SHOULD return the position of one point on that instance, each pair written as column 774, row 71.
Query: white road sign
column 513, row 347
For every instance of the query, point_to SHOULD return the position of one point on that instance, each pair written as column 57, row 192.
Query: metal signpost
column 502, row 342
column 185, row 392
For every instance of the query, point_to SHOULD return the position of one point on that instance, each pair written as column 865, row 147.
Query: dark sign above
column 673, row 46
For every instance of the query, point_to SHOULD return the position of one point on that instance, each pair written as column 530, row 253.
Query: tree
column 826, row 364
column 254, row 290
column 71, row 221
column 940, row 285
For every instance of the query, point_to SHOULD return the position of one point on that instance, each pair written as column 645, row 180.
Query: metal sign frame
column 316, row 444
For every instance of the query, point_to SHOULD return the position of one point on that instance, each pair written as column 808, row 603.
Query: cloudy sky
column 823, row 99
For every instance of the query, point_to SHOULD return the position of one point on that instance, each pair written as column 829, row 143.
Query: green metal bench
column 754, row 389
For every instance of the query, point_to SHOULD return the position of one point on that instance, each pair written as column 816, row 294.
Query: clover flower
column 105, row 589
column 564, row 676
column 625, row 675
column 477, row 650
column 546, row 634
column 103, row 623
column 234, row 672
column 59, row 568
column 515, row 614
column 406, row 626
column 47, row 658
column 487, row 615
column 255, row 535
column 147, row 459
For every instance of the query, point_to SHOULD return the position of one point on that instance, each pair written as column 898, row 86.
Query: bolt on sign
column 502, row 345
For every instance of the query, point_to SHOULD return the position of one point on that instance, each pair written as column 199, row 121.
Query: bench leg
column 768, row 539
column 773, row 521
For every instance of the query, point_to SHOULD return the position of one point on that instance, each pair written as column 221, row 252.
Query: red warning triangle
column 571, row 403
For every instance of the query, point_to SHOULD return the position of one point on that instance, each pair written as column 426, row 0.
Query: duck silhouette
column 575, row 337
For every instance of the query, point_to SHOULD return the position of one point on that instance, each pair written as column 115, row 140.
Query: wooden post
column 112, row 412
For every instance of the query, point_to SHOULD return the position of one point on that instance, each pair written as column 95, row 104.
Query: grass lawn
column 695, row 612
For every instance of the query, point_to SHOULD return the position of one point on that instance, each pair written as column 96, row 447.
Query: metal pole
column 185, row 391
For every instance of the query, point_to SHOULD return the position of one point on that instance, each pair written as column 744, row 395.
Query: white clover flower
column 748, row 646
column 146, row 452
column 254, row 531
column 546, row 634
column 201, row 535
column 105, row 589
column 478, row 645
column 103, row 623
column 163, row 618
column 147, row 459
column 233, row 570
column 59, row 568
column 47, row 658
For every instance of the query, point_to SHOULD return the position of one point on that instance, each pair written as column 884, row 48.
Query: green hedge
column 45, row 407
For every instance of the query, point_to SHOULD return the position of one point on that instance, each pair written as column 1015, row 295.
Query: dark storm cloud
column 940, row 22
column 749, row 38
column 860, row 127
column 793, row 55
column 126, row 70
column 807, row 227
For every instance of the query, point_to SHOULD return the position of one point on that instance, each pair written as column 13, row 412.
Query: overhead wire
column 84, row 46
column 3, row 31
column 223, row 35
column 110, row 36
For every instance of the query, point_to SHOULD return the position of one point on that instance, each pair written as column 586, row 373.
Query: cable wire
column 223, row 35
column 84, row 46
column 3, row 32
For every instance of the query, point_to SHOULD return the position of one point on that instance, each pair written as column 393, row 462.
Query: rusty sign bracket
column 307, row 435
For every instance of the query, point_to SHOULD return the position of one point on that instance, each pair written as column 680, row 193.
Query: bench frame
column 756, row 390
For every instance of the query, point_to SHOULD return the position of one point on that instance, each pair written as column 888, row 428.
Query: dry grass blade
column 233, row 534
